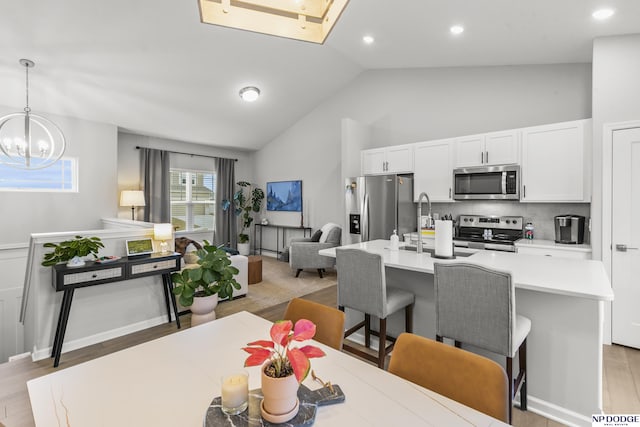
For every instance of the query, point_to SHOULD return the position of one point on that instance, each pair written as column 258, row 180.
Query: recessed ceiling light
column 249, row 93
column 368, row 39
column 601, row 14
column 457, row 29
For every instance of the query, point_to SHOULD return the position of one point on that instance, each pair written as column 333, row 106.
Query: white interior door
column 625, row 237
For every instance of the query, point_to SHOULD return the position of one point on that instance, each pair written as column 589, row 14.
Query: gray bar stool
column 362, row 286
column 476, row 305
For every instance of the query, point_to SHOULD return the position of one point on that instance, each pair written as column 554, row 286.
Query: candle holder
column 235, row 392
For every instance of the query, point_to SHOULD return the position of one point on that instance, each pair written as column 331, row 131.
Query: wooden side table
column 255, row 269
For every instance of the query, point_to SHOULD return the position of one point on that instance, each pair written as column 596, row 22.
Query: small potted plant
column 199, row 287
column 72, row 251
column 244, row 205
column 285, row 369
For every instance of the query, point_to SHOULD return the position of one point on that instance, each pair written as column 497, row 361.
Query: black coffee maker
column 569, row 229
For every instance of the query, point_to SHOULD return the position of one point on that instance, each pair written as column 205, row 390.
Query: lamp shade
column 162, row 231
column 132, row 198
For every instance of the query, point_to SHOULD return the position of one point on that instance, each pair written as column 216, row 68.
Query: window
column 61, row 176
column 192, row 199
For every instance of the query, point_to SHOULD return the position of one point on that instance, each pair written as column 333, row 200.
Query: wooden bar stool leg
column 367, row 330
column 382, row 346
column 510, row 378
column 408, row 320
column 522, row 358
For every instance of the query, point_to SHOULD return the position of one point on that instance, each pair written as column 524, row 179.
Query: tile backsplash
column 539, row 214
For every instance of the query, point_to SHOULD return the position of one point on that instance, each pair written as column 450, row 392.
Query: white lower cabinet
column 556, row 162
column 433, row 170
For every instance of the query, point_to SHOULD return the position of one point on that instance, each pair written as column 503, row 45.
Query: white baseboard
column 534, row 404
column 19, row 356
column 44, row 353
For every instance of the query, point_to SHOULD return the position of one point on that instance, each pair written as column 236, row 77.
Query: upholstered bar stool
column 362, row 286
column 476, row 305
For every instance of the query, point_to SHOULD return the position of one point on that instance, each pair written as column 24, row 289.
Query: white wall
column 129, row 161
column 95, row 146
column 616, row 98
column 411, row 105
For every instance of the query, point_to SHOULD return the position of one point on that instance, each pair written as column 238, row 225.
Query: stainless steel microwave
column 500, row 182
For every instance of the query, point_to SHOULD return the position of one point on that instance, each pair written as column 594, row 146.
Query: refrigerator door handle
column 364, row 229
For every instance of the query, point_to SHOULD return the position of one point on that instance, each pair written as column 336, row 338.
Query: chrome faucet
column 420, row 197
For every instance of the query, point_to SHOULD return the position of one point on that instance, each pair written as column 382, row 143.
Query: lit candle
column 235, row 392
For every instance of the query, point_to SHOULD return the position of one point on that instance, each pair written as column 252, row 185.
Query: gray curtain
column 226, row 232
column 155, row 179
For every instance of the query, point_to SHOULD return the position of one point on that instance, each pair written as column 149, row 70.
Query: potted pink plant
column 285, row 368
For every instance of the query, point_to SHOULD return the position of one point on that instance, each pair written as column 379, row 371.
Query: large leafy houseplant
column 244, row 205
column 69, row 249
column 283, row 359
column 214, row 275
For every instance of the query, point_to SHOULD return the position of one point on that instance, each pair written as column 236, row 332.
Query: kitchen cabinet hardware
column 624, row 248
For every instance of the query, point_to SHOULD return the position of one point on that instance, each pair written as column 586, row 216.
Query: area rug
column 278, row 285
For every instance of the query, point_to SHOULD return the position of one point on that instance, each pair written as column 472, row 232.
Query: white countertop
column 579, row 278
column 170, row 381
column 550, row 244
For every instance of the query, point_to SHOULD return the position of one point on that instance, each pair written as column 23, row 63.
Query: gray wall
column 616, row 98
column 129, row 161
column 95, row 146
column 411, row 105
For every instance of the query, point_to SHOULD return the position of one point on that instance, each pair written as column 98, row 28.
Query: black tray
column 309, row 402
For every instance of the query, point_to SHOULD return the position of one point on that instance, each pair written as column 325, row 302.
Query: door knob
column 624, row 248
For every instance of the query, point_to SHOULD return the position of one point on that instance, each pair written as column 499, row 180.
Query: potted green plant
column 244, row 205
column 72, row 251
column 199, row 287
column 285, row 367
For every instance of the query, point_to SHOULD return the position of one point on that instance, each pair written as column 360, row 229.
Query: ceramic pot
column 244, row 248
column 76, row 261
column 203, row 309
column 280, row 403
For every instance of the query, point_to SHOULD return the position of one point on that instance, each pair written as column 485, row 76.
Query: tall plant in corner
column 244, row 205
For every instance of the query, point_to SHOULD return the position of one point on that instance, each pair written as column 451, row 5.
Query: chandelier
column 307, row 20
column 27, row 140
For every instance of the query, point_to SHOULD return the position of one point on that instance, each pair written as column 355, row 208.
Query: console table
column 68, row 279
column 278, row 228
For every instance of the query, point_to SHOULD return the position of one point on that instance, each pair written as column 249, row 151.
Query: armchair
column 303, row 253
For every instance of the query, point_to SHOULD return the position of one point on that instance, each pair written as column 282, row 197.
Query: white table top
column 171, row 381
column 570, row 277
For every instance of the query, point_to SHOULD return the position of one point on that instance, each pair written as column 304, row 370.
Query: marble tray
column 309, row 402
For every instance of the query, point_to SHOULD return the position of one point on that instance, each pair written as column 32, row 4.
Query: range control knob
column 508, row 221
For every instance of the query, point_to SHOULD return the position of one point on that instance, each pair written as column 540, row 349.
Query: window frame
column 75, row 172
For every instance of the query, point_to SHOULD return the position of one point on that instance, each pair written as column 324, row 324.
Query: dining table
column 172, row 381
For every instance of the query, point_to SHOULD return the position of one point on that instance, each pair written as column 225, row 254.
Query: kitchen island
column 564, row 298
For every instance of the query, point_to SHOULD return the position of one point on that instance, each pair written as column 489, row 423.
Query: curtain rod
column 187, row 154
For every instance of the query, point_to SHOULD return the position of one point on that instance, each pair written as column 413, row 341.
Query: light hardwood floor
column 621, row 391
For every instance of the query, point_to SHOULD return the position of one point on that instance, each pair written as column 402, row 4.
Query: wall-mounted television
column 284, row 196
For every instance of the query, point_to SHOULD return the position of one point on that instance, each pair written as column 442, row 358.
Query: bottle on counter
column 395, row 240
column 528, row 231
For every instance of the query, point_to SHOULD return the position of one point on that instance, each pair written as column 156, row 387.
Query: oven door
column 486, row 183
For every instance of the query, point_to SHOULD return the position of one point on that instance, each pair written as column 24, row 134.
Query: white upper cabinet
column 496, row 148
column 556, row 162
column 395, row 159
column 433, row 170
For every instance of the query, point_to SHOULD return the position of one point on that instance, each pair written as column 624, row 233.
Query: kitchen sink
column 433, row 251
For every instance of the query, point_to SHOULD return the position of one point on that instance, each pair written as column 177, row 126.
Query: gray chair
column 362, row 286
column 476, row 305
column 303, row 253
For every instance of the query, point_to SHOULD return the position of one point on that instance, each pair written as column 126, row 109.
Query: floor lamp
column 132, row 198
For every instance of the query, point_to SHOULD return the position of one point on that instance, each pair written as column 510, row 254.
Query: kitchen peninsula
column 564, row 298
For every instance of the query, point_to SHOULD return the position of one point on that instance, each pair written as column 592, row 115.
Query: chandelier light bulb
column 249, row 93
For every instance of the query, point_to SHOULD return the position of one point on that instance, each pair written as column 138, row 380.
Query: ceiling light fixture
column 602, row 14
column 27, row 140
column 457, row 29
column 308, row 20
column 249, row 93
column 368, row 39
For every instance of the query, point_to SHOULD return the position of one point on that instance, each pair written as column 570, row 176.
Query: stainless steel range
column 498, row 233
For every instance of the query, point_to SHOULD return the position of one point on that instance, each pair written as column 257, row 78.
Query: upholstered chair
column 303, row 253
column 329, row 321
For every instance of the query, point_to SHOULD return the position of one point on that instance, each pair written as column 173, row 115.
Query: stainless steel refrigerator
column 379, row 204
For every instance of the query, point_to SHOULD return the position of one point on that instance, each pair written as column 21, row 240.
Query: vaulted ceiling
column 152, row 67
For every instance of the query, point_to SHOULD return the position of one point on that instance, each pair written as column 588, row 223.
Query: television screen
column 284, row 196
